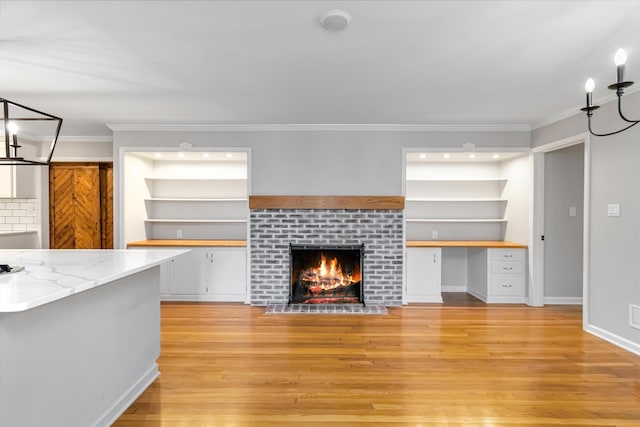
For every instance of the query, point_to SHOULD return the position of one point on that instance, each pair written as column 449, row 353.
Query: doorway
column 560, row 223
column 81, row 206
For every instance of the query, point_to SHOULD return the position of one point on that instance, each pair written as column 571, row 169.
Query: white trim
column 118, row 127
column 121, row 405
column 562, row 143
column 482, row 297
column 586, row 242
column 613, row 339
column 203, row 298
column 563, row 300
column 536, row 247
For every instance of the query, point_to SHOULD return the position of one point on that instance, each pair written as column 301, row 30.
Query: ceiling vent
column 335, row 20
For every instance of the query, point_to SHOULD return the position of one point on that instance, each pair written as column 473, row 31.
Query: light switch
column 613, row 210
column 572, row 211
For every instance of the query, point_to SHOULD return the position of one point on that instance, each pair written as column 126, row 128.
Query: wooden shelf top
column 326, row 202
column 186, row 243
column 464, row 244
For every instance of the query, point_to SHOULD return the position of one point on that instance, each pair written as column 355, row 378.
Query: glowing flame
column 327, row 276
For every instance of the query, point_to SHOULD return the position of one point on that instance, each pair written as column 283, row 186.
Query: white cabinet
column 206, row 274
column 17, row 182
column 227, row 279
column 497, row 275
column 424, row 273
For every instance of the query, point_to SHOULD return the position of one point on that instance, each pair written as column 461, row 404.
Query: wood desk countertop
column 187, row 243
column 464, row 244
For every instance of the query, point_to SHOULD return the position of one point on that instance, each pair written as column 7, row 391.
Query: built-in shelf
column 203, row 221
column 429, row 200
column 177, row 199
column 455, row 220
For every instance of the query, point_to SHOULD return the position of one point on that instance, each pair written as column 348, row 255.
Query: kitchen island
column 79, row 334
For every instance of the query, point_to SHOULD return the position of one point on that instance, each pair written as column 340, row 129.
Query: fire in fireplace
column 326, row 274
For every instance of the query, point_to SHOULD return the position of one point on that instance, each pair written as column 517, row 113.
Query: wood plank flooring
column 233, row 365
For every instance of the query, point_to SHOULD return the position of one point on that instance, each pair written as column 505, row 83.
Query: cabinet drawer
column 507, row 254
column 507, row 285
column 514, row 267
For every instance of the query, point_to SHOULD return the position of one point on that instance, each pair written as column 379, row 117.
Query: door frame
column 536, row 252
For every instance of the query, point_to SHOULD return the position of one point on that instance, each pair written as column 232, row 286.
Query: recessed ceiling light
column 446, row 156
column 496, row 156
column 158, row 155
column 335, row 20
column 423, row 156
column 229, row 155
column 472, row 156
column 205, row 155
column 181, row 155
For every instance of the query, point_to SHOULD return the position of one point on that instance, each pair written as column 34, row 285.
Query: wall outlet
column 434, row 235
column 572, row 211
column 179, row 234
column 613, row 210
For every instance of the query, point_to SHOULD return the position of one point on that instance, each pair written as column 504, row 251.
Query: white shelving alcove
column 193, row 197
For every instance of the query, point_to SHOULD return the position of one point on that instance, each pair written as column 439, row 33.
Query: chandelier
column 620, row 60
column 24, row 125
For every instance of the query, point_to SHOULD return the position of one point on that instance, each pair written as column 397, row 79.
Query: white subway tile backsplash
column 18, row 215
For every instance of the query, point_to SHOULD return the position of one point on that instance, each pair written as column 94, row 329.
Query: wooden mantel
column 326, row 202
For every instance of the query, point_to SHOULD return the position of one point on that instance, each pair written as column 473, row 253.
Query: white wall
column 135, row 170
column 517, row 191
column 614, row 278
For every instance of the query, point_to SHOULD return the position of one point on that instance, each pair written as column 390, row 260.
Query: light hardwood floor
column 232, row 365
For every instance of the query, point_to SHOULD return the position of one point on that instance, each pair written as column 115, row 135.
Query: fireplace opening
column 326, row 274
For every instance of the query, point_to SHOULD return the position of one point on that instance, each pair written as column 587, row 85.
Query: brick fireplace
column 275, row 223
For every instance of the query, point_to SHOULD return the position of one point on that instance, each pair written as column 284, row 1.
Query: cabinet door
column 187, row 273
column 424, row 274
column 227, row 274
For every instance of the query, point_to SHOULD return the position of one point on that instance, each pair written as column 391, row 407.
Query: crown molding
column 318, row 127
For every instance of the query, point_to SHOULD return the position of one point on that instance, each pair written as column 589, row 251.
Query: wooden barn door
column 76, row 206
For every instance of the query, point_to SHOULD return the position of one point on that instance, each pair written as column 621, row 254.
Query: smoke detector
column 335, row 20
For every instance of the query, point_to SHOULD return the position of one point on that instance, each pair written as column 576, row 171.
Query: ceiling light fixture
column 335, row 20
column 620, row 61
column 24, row 124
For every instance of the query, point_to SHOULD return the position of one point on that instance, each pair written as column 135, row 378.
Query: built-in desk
column 496, row 270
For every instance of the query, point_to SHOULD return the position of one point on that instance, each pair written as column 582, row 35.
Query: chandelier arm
column 621, row 114
column 610, row 133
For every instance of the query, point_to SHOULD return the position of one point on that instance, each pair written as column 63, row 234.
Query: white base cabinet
column 206, row 274
column 424, row 275
column 497, row 275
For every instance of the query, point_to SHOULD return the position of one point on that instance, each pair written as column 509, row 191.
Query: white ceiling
column 270, row 62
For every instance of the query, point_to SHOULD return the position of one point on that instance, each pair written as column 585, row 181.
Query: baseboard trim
column 614, row 339
column 563, row 300
column 454, row 288
column 121, row 405
column 426, row 299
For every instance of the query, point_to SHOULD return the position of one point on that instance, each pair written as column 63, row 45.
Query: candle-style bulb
column 589, row 85
column 12, row 128
column 621, row 57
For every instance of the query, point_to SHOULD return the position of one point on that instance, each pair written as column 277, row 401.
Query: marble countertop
column 50, row 275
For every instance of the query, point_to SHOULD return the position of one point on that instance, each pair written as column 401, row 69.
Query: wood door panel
column 62, row 209
column 87, row 208
column 75, row 206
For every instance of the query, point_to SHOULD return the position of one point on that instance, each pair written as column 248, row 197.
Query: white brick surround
column 380, row 230
column 18, row 215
